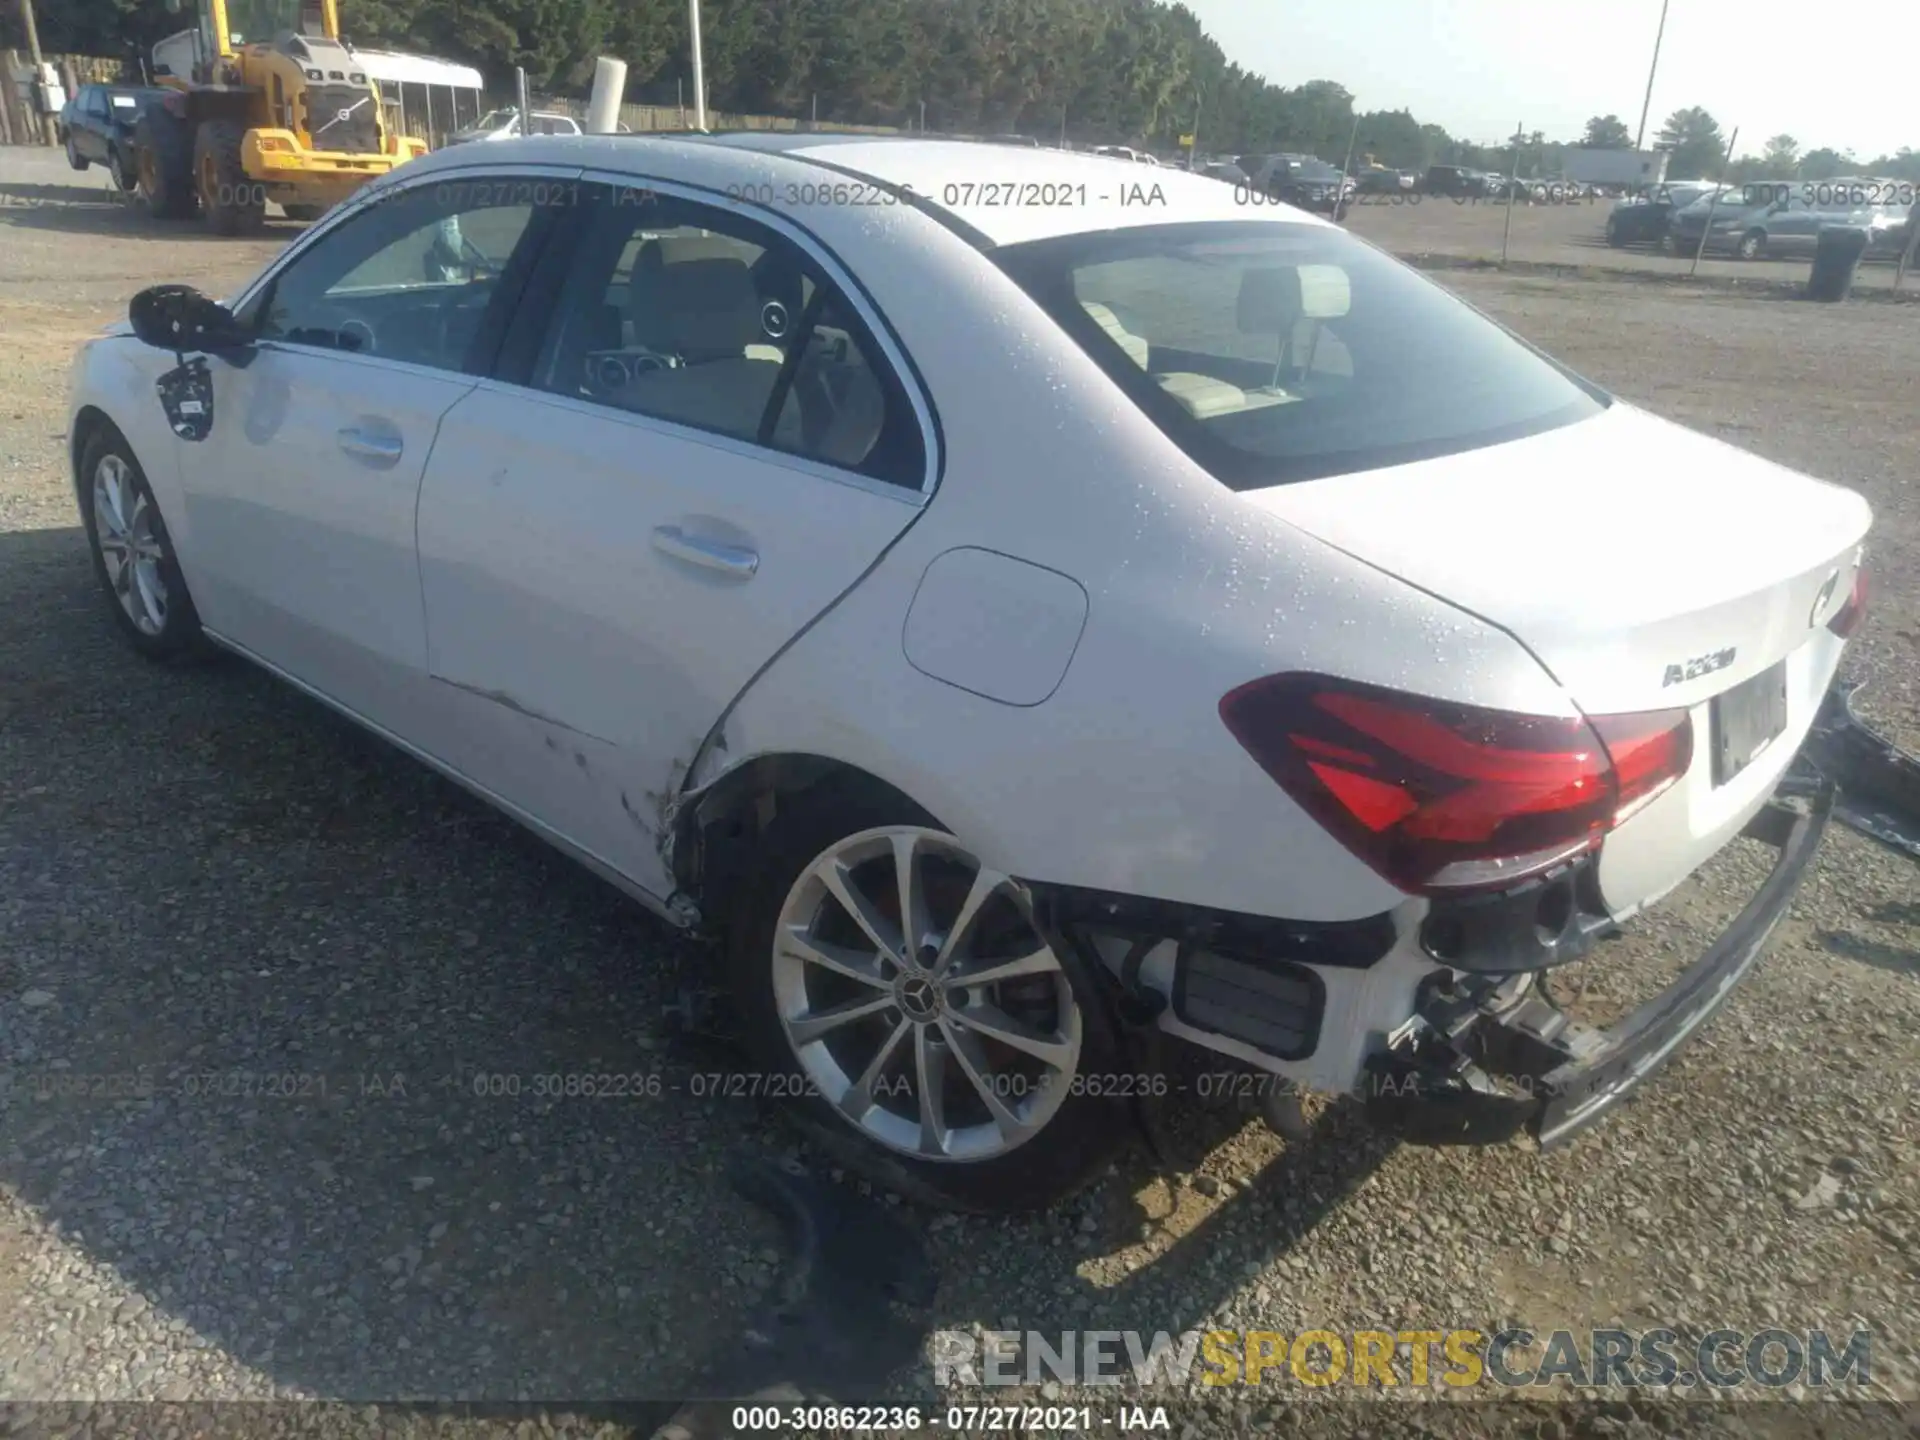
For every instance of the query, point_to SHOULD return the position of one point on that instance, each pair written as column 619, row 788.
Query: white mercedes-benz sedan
column 1042, row 616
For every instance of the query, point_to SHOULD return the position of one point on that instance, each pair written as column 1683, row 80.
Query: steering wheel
column 354, row 325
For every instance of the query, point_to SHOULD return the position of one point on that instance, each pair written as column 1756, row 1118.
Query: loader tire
column 234, row 203
column 163, row 164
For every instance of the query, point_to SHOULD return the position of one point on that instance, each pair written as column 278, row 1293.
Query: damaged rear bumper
column 1488, row 1058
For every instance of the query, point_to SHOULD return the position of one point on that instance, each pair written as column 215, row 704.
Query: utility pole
column 1193, row 150
column 1640, row 140
column 699, row 70
column 33, row 36
column 1713, row 202
column 31, row 110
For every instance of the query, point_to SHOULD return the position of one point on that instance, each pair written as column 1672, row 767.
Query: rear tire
column 1065, row 1128
column 163, row 164
column 234, row 203
column 126, row 175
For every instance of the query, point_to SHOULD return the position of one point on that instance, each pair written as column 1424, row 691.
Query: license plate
column 1747, row 719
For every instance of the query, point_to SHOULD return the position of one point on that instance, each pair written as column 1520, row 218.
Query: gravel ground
column 207, row 881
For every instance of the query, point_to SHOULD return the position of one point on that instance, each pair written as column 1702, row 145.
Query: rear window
column 1280, row 352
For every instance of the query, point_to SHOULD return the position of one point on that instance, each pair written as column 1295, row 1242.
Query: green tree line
column 1137, row 72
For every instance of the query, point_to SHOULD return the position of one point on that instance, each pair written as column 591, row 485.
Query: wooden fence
column 20, row 121
column 641, row 118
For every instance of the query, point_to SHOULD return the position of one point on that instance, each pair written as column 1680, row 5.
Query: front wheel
column 1752, row 245
column 133, row 556
column 955, row 1055
column 126, row 175
column 74, row 157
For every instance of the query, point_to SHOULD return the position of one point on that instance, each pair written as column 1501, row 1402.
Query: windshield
column 252, row 22
column 1273, row 352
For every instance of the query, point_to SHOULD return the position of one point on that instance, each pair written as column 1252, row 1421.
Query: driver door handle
column 369, row 448
column 710, row 554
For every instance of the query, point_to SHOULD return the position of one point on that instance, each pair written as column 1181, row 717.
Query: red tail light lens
column 1847, row 618
column 1439, row 797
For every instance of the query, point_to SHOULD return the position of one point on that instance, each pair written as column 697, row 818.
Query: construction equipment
column 266, row 102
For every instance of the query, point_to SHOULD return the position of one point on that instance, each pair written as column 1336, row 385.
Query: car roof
column 997, row 194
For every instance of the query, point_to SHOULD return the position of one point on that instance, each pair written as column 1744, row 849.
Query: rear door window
column 702, row 316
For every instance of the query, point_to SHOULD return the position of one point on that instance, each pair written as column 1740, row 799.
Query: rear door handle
column 372, row 449
column 710, row 554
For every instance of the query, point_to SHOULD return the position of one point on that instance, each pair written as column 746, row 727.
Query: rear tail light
column 1847, row 618
column 1438, row 797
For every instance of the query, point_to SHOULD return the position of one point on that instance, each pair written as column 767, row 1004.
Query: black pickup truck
column 96, row 126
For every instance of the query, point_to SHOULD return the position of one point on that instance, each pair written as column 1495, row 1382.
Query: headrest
column 1272, row 299
column 1325, row 292
column 1269, row 301
column 704, row 307
column 679, row 249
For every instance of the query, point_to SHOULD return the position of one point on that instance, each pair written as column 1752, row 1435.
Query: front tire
column 163, row 148
column 1752, row 245
column 133, row 555
column 972, row 1069
column 234, row 203
column 126, row 175
column 74, row 157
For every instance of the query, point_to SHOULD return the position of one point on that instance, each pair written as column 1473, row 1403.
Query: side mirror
column 181, row 319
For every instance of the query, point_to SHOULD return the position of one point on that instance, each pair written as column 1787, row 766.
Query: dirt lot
column 203, row 873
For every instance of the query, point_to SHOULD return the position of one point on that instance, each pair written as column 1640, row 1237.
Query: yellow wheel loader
column 266, row 103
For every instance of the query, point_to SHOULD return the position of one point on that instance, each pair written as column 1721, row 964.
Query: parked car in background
column 504, row 124
column 1734, row 218
column 1303, row 181
column 1025, row 141
column 1643, row 219
column 96, row 127
column 1125, row 152
column 1378, row 180
column 1225, row 170
column 1784, row 218
column 1454, row 180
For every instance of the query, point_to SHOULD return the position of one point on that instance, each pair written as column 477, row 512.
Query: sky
column 1837, row 74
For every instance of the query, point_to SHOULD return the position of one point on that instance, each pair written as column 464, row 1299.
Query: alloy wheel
column 919, row 997
column 131, row 543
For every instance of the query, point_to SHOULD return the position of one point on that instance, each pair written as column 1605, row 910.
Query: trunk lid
column 1647, row 567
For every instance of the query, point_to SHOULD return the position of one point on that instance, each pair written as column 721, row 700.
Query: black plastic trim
column 1255, row 1007
column 1542, row 922
column 1343, row 944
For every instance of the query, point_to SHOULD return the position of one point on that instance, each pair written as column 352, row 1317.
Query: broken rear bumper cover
column 1489, row 1057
